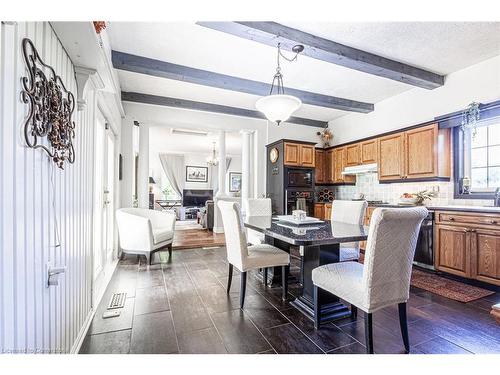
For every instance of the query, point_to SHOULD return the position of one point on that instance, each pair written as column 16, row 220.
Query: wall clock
column 273, row 155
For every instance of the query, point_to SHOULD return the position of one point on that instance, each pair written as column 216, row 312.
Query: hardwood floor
column 181, row 306
column 193, row 238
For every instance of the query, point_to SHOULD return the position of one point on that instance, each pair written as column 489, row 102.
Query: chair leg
column 404, row 325
column 317, row 318
column 369, row 332
column 354, row 312
column 229, row 277
column 148, row 259
column 170, row 251
column 284, row 282
column 265, row 276
column 243, row 288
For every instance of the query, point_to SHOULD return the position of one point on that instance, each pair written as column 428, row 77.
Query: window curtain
column 173, row 166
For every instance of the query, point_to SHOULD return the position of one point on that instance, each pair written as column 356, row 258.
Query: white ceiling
column 439, row 47
column 162, row 140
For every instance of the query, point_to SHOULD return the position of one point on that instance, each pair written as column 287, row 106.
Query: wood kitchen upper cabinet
column 292, row 154
column 453, row 249
column 307, row 156
column 369, row 151
column 468, row 244
column 339, row 163
column 329, row 166
column 420, row 153
column 353, row 155
column 427, row 152
column 299, row 155
column 320, row 171
column 391, row 157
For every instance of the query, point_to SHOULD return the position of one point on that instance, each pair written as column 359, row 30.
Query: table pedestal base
column 330, row 306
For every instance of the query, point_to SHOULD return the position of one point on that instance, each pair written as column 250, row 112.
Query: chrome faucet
column 496, row 199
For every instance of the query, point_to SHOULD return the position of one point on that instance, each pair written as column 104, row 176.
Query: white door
column 104, row 193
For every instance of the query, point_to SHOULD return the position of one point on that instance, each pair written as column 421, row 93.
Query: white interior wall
column 264, row 132
column 194, row 159
column 35, row 318
column 480, row 83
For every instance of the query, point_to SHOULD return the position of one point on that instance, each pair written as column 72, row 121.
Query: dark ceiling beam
column 271, row 33
column 157, row 68
column 136, row 97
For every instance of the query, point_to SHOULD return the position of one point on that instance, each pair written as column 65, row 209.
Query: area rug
column 442, row 286
column 447, row 288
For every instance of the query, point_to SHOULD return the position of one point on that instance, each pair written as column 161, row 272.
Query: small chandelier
column 470, row 117
column 279, row 107
column 212, row 160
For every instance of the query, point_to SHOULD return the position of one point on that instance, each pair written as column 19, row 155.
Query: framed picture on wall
column 196, row 174
column 234, row 182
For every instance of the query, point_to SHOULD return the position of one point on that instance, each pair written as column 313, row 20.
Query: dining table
column 319, row 244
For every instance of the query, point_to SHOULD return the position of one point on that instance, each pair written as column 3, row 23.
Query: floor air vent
column 117, row 301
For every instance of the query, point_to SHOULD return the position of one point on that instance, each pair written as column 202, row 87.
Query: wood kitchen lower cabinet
column 327, row 215
column 319, row 210
column 453, row 249
column 323, row 211
column 468, row 244
column 485, row 251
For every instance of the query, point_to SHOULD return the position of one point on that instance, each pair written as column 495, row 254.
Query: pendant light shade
column 278, row 108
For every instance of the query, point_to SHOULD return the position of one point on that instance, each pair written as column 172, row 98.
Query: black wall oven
column 299, row 178
column 299, row 200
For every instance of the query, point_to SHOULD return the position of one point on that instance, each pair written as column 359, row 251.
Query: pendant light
column 278, row 107
column 212, row 160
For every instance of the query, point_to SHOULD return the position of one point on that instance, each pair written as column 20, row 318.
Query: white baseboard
column 88, row 320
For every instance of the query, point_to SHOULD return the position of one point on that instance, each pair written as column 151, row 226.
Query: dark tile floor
column 181, row 306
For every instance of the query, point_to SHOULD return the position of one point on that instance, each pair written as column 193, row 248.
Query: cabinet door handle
column 493, row 222
column 451, row 219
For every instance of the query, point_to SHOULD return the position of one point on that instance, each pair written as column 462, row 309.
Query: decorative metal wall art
column 51, row 106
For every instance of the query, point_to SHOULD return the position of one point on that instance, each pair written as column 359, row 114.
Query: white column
column 222, row 164
column 143, row 167
column 246, row 164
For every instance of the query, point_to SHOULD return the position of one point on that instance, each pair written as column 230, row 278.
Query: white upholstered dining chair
column 256, row 207
column 144, row 232
column 244, row 257
column 384, row 279
column 351, row 212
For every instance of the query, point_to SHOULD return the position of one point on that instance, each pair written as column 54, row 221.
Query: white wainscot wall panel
column 46, row 213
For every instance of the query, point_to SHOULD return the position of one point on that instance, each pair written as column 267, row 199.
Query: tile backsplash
column 390, row 192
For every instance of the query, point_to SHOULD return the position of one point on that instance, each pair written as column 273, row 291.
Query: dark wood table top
column 323, row 233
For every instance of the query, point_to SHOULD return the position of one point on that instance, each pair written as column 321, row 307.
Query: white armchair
column 144, row 232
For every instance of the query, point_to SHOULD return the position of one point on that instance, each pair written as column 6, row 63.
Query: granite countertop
column 463, row 208
column 321, row 233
